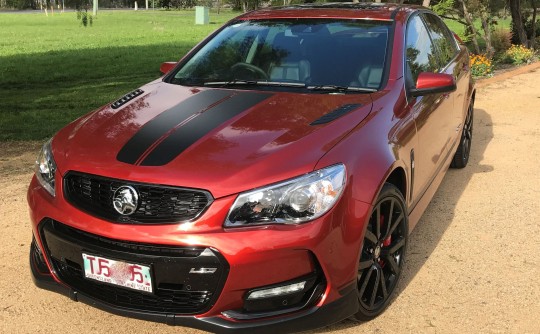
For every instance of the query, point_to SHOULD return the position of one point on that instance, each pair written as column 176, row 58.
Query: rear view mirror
column 432, row 83
column 167, row 66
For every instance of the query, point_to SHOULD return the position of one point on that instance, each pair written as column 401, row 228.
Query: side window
column 420, row 52
column 442, row 38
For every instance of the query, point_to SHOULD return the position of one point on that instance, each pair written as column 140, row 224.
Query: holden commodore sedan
column 268, row 181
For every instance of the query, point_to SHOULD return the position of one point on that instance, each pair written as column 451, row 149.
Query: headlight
column 45, row 168
column 291, row 202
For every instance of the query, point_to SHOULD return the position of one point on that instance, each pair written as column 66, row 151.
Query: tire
column 383, row 253
column 461, row 158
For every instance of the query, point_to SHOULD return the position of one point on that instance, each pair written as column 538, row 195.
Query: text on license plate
column 129, row 275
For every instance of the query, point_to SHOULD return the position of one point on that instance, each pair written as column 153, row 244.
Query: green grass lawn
column 53, row 70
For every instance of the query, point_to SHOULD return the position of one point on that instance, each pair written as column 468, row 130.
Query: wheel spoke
column 397, row 246
column 383, row 285
column 365, row 283
column 378, row 221
column 365, row 264
column 392, row 263
column 371, row 237
column 396, row 223
column 389, row 221
column 375, row 287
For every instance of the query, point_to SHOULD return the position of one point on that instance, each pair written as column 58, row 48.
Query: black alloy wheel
column 461, row 158
column 383, row 253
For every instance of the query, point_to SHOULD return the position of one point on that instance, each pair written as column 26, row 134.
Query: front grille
column 176, row 290
column 157, row 204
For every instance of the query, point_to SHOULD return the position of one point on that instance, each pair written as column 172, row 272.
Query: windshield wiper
column 336, row 88
column 255, row 83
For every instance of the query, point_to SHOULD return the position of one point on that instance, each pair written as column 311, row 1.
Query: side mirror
column 433, row 83
column 167, row 66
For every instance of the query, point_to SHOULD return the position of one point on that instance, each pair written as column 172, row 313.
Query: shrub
column 86, row 18
column 518, row 54
column 481, row 66
column 501, row 40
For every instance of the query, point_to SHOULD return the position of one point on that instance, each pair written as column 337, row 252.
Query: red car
column 268, row 181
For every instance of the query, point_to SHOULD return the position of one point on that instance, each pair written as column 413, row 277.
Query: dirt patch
column 472, row 265
column 17, row 157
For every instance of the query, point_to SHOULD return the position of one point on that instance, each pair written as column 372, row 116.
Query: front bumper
column 256, row 257
column 311, row 318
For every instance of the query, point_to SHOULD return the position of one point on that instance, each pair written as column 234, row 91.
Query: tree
column 459, row 11
column 482, row 7
column 517, row 21
column 533, row 33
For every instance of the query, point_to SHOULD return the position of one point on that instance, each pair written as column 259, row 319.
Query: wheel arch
column 398, row 178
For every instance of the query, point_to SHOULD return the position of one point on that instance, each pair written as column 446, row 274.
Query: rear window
column 314, row 52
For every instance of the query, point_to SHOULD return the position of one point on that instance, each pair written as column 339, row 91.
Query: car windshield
column 315, row 54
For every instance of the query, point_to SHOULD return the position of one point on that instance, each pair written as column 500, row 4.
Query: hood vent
column 126, row 98
column 336, row 113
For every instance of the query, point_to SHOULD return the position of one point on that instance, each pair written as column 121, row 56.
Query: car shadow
column 439, row 215
column 41, row 92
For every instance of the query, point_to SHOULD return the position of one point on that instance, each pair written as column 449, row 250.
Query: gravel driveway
column 473, row 261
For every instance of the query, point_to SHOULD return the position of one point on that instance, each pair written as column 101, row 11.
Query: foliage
column 443, row 7
column 518, row 54
column 83, row 15
column 501, row 38
column 20, row 4
column 177, row 4
column 481, row 66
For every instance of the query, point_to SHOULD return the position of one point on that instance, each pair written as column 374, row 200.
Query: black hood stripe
column 195, row 129
column 145, row 138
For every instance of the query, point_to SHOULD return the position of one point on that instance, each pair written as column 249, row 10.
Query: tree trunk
column 517, row 21
column 484, row 18
column 533, row 35
column 470, row 24
column 425, row 3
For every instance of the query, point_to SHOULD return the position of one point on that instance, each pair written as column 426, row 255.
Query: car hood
column 222, row 140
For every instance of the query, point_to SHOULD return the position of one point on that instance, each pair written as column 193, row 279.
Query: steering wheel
column 261, row 74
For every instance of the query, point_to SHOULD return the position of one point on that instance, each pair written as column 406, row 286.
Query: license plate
column 128, row 275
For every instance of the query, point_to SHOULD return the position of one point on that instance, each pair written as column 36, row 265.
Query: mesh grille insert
column 156, row 204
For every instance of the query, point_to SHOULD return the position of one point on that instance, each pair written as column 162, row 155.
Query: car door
column 452, row 62
column 433, row 113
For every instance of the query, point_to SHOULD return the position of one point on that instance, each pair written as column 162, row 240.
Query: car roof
column 344, row 10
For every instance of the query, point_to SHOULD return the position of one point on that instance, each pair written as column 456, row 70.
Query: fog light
column 277, row 291
column 281, row 298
